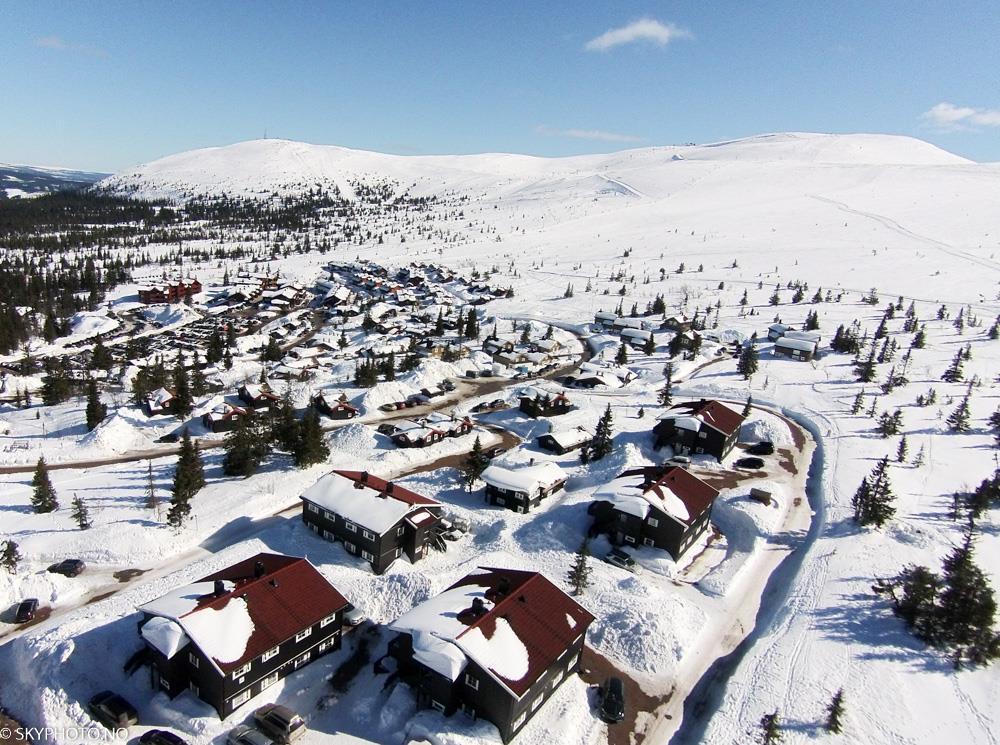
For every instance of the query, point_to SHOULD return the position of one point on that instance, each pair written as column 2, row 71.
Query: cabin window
column 269, row 681
column 193, row 659
column 368, row 536
column 438, row 706
column 300, row 661
column 367, row 556
column 702, row 435
column 241, row 671
column 269, row 654
column 328, row 620
column 351, row 527
column 194, row 689
column 351, row 548
column 303, row 634
column 399, row 530
column 537, row 702
column 653, row 522
column 472, row 682
column 313, row 508
column 329, row 516
column 629, row 539
column 519, row 721
column 647, row 542
column 241, row 698
column 164, row 684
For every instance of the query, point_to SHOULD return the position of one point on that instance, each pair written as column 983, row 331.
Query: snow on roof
column 527, row 480
column 369, row 506
column 221, row 633
column 692, row 423
column 161, row 396
column 439, row 655
column 164, row 634
column 673, row 491
column 715, row 414
column 182, row 600
column 802, row 345
column 570, row 438
column 503, row 652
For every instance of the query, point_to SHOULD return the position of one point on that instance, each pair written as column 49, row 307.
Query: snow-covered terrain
column 701, row 226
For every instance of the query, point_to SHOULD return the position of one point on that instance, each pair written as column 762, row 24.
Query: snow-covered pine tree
column 603, row 442
column 310, row 447
column 10, row 556
column 748, row 362
column 873, row 501
column 667, row 392
column 835, row 713
column 96, row 410
column 43, row 496
column 578, row 575
column 80, row 513
column 958, row 420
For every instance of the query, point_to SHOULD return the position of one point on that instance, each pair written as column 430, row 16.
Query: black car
column 387, row 429
column 613, row 700
column 749, row 463
column 761, row 448
column 493, row 451
column 169, row 437
column 26, row 610
column 161, row 737
column 68, row 567
column 112, row 710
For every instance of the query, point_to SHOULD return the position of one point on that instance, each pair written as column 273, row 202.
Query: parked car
column 447, row 385
column 622, row 559
column 279, row 722
column 68, row 567
column 749, row 463
column 26, row 610
column 388, row 407
column 765, row 447
column 457, row 522
column 169, row 437
column 613, row 700
column 241, row 734
column 679, row 460
column 113, row 711
column 493, row 451
column 161, row 737
column 354, row 616
column 386, row 428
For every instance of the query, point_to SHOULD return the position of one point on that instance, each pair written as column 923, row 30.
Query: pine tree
column 958, row 420
column 902, row 450
column 152, row 498
column 918, row 459
column 474, row 464
column 770, row 729
column 472, row 325
column 775, row 298
column 866, row 368
column 43, row 498
column 96, row 411
column 859, row 401
column 873, row 501
column 578, row 576
column 621, row 357
column 183, row 400
column 199, row 386
column 748, row 362
column 966, row 609
column 649, row 346
column 284, row 426
column 667, row 392
column 227, row 359
column 603, row 442
column 80, row 513
column 246, row 446
column 954, row 372
column 189, row 474
column 311, row 447
column 835, row 712
column 10, row 556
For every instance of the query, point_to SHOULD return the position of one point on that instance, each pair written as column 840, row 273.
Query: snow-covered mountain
column 263, row 166
column 21, row 181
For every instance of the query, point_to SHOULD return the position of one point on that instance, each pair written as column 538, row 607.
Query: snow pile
column 86, row 324
column 117, row 435
column 765, row 427
column 503, row 652
column 168, row 315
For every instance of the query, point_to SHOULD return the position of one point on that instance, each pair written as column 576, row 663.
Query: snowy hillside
column 21, row 181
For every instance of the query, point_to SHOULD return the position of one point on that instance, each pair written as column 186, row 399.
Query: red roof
column 713, row 413
column 696, row 495
column 536, row 610
column 290, row 596
column 398, row 492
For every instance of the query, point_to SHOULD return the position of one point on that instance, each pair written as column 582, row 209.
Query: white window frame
column 268, row 681
column 327, row 644
column 702, row 434
column 368, row 536
column 304, row 634
column 241, row 671
column 351, row 527
column 367, row 556
column 519, row 721
column 437, row 705
column 164, row 684
column 537, row 702
column 269, row 654
column 472, row 682
column 629, row 539
column 301, row 660
column 400, row 530
column 652, row 522
column 240, row 698
column 648, row 542
column 312, row 508
column 193, row 687
column 328, row 620
column 350, row 547
column 193, row 659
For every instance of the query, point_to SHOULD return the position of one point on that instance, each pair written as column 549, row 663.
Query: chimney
column 364, row 477
column 219, row 588
column 258, row 569
column 389, row 486
column 503, row 587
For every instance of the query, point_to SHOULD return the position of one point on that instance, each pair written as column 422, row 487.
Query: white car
column 354, row 616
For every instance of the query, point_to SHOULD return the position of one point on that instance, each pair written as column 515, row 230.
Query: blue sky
column 107, row 85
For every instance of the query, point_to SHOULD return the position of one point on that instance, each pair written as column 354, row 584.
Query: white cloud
column 645, row 29
column 948, row 116
column 587, row 134
column 59, row 44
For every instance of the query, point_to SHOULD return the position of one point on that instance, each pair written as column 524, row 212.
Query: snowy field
column 841, row 213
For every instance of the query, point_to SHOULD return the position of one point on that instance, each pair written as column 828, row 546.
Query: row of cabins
column 173, row 290
column 494, row 645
